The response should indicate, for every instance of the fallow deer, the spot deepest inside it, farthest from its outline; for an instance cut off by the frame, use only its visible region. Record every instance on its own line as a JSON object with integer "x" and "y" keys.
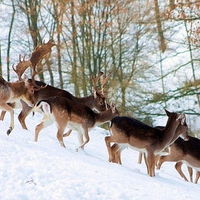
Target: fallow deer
{"x": 181, "y": 130}
{"x": 96, "y": 101}
{"x": 67, "y": 113}
{"x": 184, "y": 152}
{"x": 127, "y": 131}
{"x": 11, "y": 92}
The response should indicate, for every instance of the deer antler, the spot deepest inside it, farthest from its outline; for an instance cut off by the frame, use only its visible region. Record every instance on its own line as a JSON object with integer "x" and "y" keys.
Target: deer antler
{"x": 95, "y": 82}
{"x": 21, "y": 66}
{"x": 104, "y": 80}
{"x": 39, "y": 53}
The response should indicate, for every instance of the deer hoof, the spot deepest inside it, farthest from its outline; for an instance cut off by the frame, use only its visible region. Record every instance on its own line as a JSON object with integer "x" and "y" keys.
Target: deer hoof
{"x": 9, "y": 130}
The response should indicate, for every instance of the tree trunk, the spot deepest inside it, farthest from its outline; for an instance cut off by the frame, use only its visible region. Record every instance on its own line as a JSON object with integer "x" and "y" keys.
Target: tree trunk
{"x": 9, "y": 41}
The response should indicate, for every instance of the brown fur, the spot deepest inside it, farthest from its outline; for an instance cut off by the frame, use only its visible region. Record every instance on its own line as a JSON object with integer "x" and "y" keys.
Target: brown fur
{"x": 11, "y": 92}
{"x": 131, "y": 132}
{"x": 117, "y": 150}
{"x": 184, "y": 152}
{"x": 67, "y": 113}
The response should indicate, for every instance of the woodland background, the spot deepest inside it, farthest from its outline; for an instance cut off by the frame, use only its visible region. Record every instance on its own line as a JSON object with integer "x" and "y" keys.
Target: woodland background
{"x": 150, "y": 47}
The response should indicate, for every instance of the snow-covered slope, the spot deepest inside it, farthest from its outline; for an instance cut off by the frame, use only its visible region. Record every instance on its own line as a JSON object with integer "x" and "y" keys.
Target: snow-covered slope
{"x": 47, "y": 171}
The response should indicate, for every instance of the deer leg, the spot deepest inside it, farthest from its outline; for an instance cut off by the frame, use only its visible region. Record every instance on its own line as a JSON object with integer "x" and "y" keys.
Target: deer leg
{"x": 68, "y": 133}
{"x": 151, "y": 164}
{"x": 23, "y": 114}
{"x": 3, "y": 112}
{"x": 110, "y": 154}
{"x": 45, "y": 123}
{"x": 60, "y": 136}
{"x": 197, "y": 176}
{"x": 178, "y": 168}
{"x": 116, "y": 151}
{"x": 80, "y": 138}
{"x": 118, "y": 156}
{"x": 140, "y": 157}
{"x": 8, "y": 108}
{"x": 190, "y": 171}
{"x": 87, "y": 139}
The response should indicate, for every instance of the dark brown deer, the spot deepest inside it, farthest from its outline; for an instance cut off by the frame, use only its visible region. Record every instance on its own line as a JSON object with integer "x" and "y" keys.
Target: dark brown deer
{"x": 184, "y": 152}
{"x": 67, "y": 113}
{"x": 96, "y": 101}
{"x": 137, "y": 135}
{"x": 11, "y": 92}
{"x": 182, "y": 130}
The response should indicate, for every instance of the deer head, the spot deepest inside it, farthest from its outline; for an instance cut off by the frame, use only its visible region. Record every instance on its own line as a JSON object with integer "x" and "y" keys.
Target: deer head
{"x": 96, "y": 91}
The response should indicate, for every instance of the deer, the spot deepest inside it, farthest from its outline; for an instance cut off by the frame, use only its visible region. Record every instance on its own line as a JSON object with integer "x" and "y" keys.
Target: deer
{"x": 181, "y": 131}
{"x": 67, "y": 113}
{"x": 11, "y": 92}
{"x": 184, "y": 152}
{"x": 96, "y": 101}
{"x": 130, "y": 132}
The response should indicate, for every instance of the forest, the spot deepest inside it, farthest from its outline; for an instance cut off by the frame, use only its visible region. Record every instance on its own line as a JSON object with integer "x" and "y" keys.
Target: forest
{"x": 150, "y": 48}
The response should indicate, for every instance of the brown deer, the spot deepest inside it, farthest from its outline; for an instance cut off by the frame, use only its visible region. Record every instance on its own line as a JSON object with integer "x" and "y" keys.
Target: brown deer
{"x": 181, "y": 130}
{"x": 67, "y": 113}
{"x": 184, "y": 152}
{"x": 133, "y": 133}
{"x": 96, "y": 101}
{"x": 11, "y": 92}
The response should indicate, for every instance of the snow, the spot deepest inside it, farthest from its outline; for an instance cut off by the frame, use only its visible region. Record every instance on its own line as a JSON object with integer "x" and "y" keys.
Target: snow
{"x": 44, "y": 170}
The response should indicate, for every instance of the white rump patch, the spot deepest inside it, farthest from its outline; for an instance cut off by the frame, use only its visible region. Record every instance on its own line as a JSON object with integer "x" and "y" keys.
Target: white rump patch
{"x": 45, "y": 107}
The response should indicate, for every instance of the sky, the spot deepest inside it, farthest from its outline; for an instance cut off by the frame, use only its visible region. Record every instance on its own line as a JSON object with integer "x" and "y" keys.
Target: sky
{"x": 44, "y": 170}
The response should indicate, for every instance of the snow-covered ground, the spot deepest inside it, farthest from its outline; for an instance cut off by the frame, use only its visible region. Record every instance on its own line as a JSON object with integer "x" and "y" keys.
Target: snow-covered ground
{"x": 47, "y": 171}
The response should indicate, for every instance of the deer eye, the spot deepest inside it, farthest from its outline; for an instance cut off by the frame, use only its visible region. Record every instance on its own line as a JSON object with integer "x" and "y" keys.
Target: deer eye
{"x": 32, "y": 91}
{"x": 101, "y": 102}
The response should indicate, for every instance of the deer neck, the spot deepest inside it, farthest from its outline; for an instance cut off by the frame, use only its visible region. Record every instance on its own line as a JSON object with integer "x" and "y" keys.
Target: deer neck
{"x": 103, "y": 117}
{"x": 170, "y": 131}
{"x": 17, "y": 88}
{"x": 87, "y": 101}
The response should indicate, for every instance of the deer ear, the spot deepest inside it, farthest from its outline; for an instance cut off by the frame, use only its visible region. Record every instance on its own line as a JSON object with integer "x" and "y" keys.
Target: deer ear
{"x": 26, "y": 80}
{"x": 167, "y": 112}
{"x": 183, "y": 121}
{"x": 113, "y": 106}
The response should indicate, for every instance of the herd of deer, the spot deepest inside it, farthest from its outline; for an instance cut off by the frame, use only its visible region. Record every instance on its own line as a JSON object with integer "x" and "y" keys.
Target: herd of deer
{"x": 82, "y": 114}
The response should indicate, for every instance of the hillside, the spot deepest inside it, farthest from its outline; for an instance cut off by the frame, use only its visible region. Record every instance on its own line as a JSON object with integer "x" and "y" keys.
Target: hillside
{"x": 45, "y": 170}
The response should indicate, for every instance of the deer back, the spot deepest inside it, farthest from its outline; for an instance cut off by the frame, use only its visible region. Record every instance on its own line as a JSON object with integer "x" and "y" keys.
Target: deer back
{"x": 132, "y": 127}
{"x": 190, "y": 147}
{"x": 63, "y": 109}
{"x": 98, "y": 102}
{"x": 139, "y": 134}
